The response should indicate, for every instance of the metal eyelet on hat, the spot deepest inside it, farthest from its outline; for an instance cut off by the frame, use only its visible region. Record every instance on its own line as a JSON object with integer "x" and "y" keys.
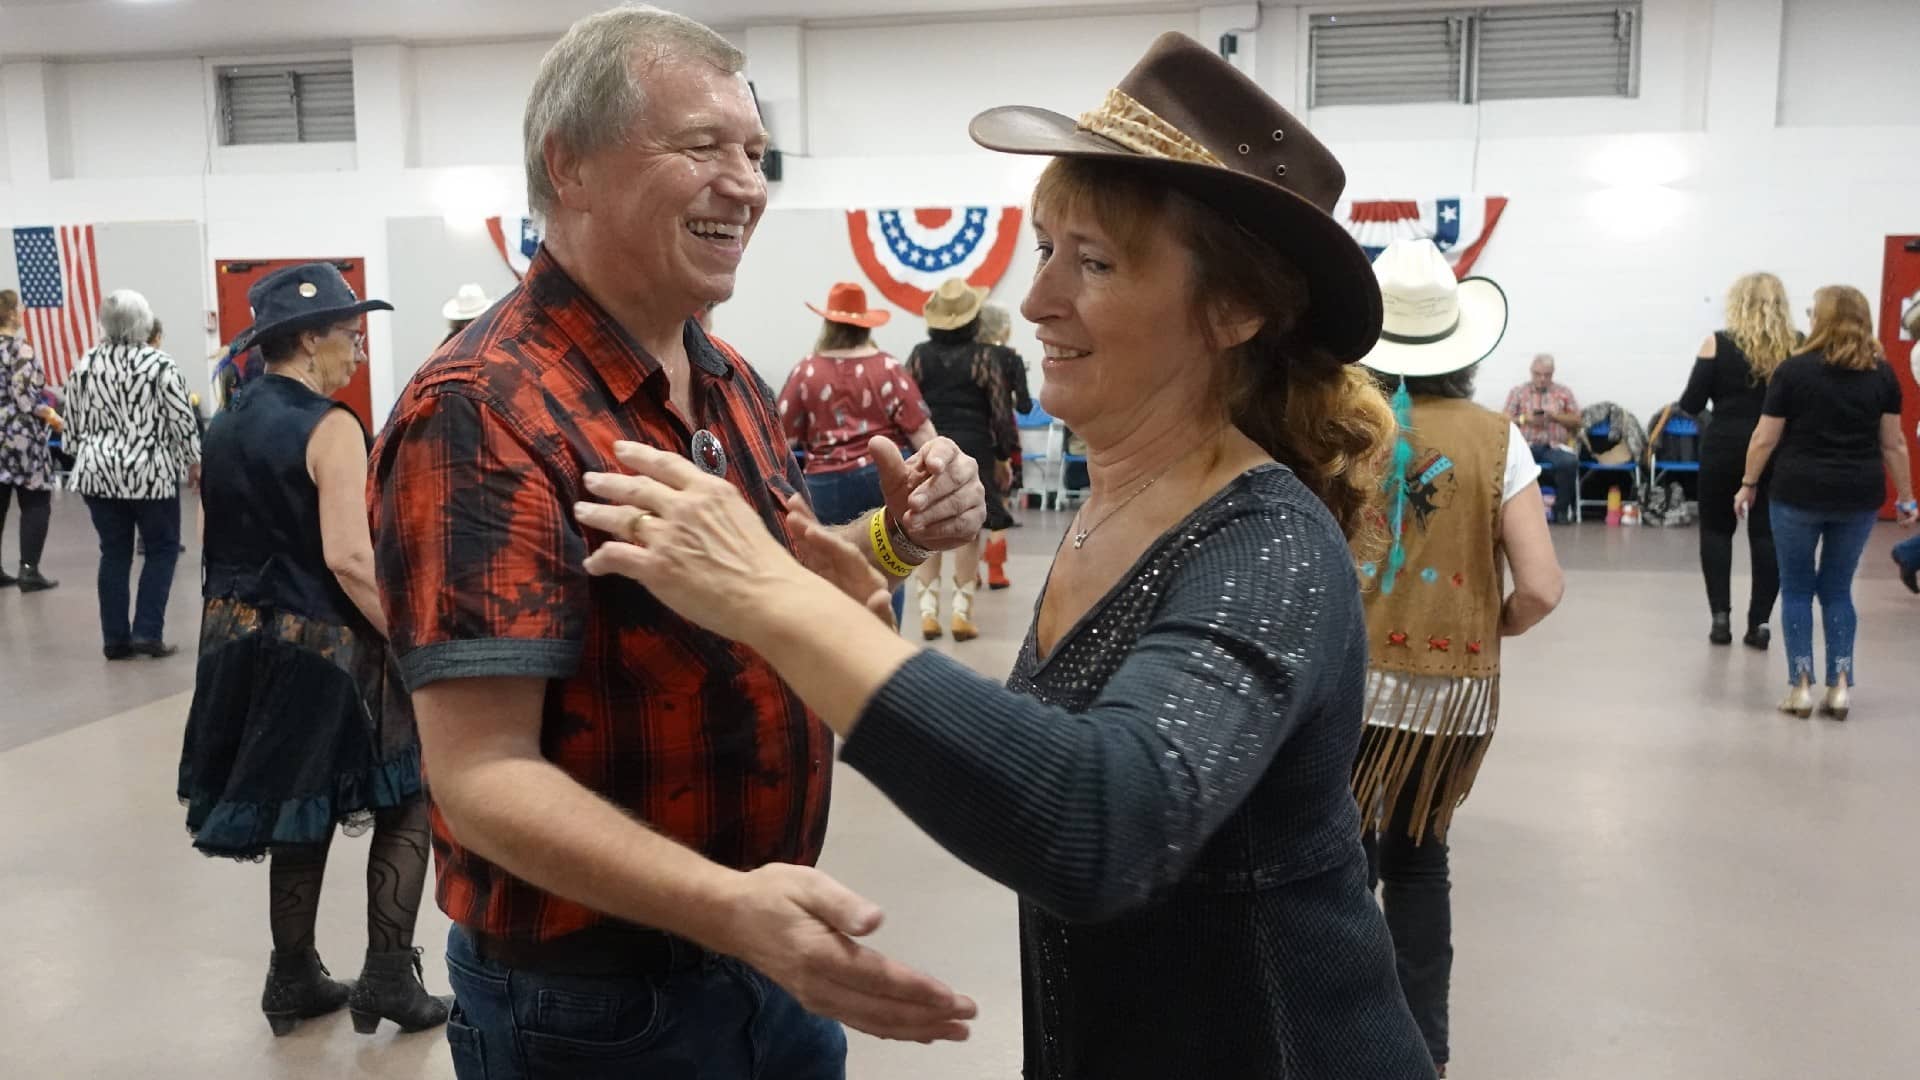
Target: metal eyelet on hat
{"x": 1278, "y": 134}
{"x": 1245, "y": 149}
{"x": 1279, "y": 170}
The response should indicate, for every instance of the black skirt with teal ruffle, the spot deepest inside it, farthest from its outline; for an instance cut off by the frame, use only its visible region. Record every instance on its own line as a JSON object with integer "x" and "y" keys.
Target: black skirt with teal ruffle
{"x": 297, "y": 727}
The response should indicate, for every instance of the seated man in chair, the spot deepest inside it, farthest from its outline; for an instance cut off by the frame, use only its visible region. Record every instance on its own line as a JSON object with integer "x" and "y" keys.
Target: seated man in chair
{"x": 1549, "y": 417}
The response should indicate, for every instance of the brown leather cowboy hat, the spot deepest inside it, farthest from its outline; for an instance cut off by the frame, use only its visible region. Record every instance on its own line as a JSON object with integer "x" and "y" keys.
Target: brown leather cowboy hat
{"x": 1208, "y": 130}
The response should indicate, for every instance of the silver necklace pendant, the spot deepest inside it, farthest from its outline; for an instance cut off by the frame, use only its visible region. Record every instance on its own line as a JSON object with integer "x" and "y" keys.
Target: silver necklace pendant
{"x": 1079, "y": 540}
{"x": 709, "y": 454}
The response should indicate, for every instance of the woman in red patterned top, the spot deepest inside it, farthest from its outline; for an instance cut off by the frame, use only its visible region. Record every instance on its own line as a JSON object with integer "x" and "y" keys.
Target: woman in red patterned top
{"x": 839, "y": 398}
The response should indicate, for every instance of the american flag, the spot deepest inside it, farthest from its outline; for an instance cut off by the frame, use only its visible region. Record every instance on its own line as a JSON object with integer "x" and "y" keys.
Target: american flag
{"x": 60, "y": 290}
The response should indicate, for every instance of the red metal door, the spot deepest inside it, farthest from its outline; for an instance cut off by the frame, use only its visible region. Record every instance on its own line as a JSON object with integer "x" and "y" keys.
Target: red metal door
{"x": 233, "y": 277}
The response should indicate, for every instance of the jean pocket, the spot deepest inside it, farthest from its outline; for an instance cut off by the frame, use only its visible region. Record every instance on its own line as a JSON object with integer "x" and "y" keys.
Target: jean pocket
{"x": 580, "y": 1032}
{"x": 468, "y": 1048}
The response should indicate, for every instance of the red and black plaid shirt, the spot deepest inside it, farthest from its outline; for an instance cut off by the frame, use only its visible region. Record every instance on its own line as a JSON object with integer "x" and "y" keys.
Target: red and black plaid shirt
{"x": 479, "y": 560}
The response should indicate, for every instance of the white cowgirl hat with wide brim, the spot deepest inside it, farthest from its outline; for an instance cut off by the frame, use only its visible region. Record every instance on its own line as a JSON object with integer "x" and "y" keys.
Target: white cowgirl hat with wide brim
{"x": 1433, "y": 323}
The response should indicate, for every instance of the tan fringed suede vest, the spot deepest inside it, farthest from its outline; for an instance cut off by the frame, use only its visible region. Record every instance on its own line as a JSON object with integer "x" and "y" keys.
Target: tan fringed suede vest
{"x": 1439, "y": 620}
{"x": 1442, "y": 615}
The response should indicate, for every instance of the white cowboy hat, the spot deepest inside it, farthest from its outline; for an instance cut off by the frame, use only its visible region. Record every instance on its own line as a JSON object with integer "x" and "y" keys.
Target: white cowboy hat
{"x": 469, "y": 303}
{"x": 1434, "y": 324}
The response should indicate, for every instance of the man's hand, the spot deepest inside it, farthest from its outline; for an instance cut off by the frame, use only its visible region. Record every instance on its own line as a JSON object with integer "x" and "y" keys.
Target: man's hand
{"x": 834, "y": 556}
{"x": 936, "y": 495}
{"x": 796, "y": 925}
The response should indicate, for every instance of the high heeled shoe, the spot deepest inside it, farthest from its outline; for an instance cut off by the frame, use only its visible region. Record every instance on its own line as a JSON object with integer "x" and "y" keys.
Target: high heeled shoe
{"x": 1799, "y": 701}
{"x": 1837, "y": 703}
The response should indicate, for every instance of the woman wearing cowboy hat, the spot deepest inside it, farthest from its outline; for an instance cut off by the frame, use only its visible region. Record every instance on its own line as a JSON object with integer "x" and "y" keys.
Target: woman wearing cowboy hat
{"x": 468, "y": 303}
{"x": 1165, "y": 778}
{"x": 841, "y": 396}
{"x": 1462, "y": 500}
{"x": 964, "y": 381}
{"x": 299, "y": 723}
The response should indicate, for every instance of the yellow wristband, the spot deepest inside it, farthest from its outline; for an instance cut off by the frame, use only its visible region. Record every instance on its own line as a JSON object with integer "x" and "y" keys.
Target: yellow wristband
{"x": 888, "y": 558}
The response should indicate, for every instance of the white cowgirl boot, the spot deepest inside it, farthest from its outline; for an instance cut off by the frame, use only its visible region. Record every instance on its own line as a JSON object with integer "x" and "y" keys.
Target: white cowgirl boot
{"x": 963, "y": 628}
{"x": 929, "y": 592}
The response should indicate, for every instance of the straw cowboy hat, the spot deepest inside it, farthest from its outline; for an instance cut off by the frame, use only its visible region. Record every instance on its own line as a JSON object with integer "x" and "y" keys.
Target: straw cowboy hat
{"x": 847, "y": 303}
{"x": 1208, "y": 130}
{"x": 467, "y": 304}
{"x": 300, "y": 298}
{"x": 953, "y": 305}
{"x": 1433, "y": 323}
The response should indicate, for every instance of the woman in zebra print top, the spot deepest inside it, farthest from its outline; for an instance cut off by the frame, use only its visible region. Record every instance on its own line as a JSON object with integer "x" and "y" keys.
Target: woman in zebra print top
{"x": 135, "y": 439}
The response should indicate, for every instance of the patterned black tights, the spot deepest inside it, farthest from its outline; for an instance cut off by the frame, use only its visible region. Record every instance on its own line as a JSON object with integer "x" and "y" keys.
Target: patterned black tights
{"x": 396, "y": 876}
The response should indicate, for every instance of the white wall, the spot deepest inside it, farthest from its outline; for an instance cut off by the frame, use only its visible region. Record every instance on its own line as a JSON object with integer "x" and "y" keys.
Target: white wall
{"x": 132, "y": 118}
{"x": 463, "y": 97}
{"x": 1627, "y": 217}
{"x": 1853, "y": 62}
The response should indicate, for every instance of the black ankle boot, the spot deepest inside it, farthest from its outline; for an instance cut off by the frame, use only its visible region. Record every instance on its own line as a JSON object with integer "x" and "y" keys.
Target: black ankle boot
{"x": 1722, "y": 632}
{"x": 1758, "y": 637}
{"x": 298, "y": 988}
{"x": 7, "y": 579}
{"x": 389, "y": 988}
{"x": 32, "y": 580}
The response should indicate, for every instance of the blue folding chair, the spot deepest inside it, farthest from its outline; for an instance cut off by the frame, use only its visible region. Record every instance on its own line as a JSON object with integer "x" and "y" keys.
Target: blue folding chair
{"x": 1036, "y": 454}
{"x": 1681, "y": 427}
{"x": 1588, "y": 467}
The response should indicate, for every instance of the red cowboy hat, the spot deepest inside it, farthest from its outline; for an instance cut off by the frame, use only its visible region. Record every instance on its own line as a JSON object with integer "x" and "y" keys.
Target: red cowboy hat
{"x": 847, "y": 303}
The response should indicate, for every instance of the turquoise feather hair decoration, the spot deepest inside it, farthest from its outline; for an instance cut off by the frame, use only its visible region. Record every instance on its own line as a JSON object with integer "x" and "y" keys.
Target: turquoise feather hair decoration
{"x": 1395, "y": 485}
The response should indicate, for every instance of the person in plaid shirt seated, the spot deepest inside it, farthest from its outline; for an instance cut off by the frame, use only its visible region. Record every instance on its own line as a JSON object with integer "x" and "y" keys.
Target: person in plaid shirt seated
{"x": 1549, "y": 417}
{"x": 626, "y": 807}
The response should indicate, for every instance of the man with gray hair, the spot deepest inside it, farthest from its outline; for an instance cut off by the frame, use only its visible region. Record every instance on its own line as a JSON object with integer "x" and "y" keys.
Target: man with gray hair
{"x": 1549, "y": 417}
{"x": 626, "y": 807}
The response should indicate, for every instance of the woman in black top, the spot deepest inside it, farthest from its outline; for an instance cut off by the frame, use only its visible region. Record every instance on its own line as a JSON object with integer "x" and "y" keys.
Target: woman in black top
{"x": 1833, "y": 414}
{"x": 299, "y": 723}
{"x": 1164, "y": 779}
{"x": 964, "y": 382}
{"x": 1731, "y": 371}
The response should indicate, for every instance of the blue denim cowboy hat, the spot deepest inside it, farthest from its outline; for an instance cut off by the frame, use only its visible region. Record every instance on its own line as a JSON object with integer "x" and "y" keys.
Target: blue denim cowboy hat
{"x": 301, "y": 298}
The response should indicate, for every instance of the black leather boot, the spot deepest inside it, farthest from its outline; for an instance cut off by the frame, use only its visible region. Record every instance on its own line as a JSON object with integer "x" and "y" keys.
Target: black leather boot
{"x": 1722, "y": 632}
{"x": 32, "y": 580}
{"x": 7, "y": 579}
{"x": 298, "y": 988}
{"x": 389, "y": 988}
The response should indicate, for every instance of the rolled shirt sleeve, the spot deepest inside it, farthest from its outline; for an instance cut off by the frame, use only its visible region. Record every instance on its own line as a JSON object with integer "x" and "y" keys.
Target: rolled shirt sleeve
{"x": 480, "y": 564}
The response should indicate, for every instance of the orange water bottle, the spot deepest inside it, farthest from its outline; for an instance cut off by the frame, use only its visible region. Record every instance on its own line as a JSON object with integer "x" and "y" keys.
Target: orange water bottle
{"x": 1613, "y": 505}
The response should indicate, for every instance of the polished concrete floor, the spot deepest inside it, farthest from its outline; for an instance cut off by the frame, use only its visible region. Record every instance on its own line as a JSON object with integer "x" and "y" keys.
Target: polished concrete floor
{"x": 1658, "y": 877}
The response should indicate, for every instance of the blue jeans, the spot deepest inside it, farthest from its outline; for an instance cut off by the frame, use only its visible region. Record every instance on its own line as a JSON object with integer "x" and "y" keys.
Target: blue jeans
{"x": 1565, "y": 469}
{"x": 1819, "y": 551}
{"x": 840, "y": 497}
{"x": 158, "y": 523}
{"x": 720, "y": 1020}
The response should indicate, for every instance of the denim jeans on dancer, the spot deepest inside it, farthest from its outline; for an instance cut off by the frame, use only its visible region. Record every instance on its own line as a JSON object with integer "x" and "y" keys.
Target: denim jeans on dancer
{"x": 1819, "y": 551}
{"x": 116, "y": 521}
{"x": 839, "y": 497}
{"x": 719, "y": 1018}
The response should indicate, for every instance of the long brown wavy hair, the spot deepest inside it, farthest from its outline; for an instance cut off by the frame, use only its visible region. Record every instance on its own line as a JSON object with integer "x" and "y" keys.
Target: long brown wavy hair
{"x": 1325, "y": 420}
{"x": 1760, "y": 322}
{"x": 1843, "y": 329}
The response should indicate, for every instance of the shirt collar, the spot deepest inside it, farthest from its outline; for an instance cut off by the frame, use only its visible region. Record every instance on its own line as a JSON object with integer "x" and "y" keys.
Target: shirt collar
{"x": 620, "y": 361}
